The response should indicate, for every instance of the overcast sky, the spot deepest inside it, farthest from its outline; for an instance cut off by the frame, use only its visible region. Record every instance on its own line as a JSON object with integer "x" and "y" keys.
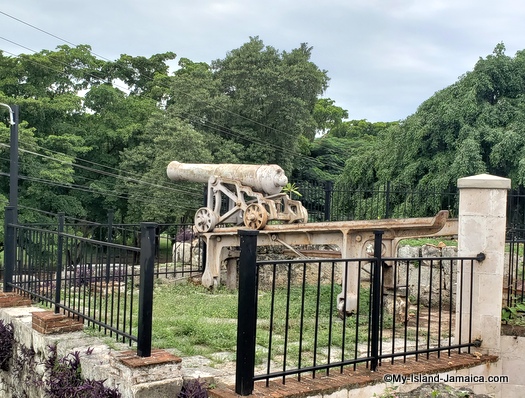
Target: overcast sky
{"x": 384, "y": 57}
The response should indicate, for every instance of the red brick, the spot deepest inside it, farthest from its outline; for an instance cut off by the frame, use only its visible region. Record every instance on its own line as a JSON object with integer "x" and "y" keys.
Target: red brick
{"x": 47, "y": 322}
{"x": 12, "y": 299}
{"x": 358, "y": 378}
{"x": 158, "y": 357}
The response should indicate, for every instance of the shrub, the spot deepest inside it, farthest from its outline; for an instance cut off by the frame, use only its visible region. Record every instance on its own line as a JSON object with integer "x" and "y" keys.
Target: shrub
{"x": 7, "y": 337}
{"x": 64, "y": 378}
{"x": 194, "y": 389}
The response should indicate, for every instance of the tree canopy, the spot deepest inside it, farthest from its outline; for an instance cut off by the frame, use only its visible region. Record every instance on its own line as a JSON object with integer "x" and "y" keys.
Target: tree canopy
{"x": 97, "y": 135}
{"x": 474, "y": 126}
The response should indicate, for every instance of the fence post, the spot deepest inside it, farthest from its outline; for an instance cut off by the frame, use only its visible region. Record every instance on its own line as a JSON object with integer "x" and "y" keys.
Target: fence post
{"x": 247, "y": 312}
{"x": 376, "y": 300}
{"x": 9, "y": 247}
{"x": 13, "y": 162}
{"x": 111, "y": 215}
{"x": 147, "y": 268}
{"x": 204, "y": 257}
{"x": 328, "y": 189}
{"x": 60, "y": 249}
{"x": 387, "y": 200}
{"x": 481, "y": 229}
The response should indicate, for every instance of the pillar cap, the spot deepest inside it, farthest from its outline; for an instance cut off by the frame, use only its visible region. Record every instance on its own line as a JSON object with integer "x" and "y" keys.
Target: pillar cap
{"x": 484, "y": 181}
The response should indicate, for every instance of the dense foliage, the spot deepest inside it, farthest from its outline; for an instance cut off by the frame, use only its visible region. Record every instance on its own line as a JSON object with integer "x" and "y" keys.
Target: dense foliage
{"x": 63, "y": 378}
{"x": 97, "y": 135}
{"x": 474, "y": 126}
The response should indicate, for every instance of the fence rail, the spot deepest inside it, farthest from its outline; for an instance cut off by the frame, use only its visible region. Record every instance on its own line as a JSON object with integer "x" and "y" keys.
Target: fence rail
{"x": 514, "y": 273}
{"x": 406, "y": 307}
{"x": 100, "y": 289}
{"x": 326, "y": 201}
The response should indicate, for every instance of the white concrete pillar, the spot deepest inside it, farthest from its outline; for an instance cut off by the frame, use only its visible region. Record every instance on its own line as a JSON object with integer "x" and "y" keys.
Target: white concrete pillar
{"x": 482, "y": 221}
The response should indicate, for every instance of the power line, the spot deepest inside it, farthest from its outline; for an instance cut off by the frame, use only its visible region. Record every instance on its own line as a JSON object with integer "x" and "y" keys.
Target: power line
{"x": 82, "y": 188}
{"x": 116, "y": 176}
{"x": 147, "y": 77}
{"x": 47, "y": 33}
{"x": 211, "y": 125}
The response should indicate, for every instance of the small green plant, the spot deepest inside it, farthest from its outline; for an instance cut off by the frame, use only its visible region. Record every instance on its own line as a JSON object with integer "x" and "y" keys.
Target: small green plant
{"x": 428, "y": 241}
{"x": 291, "y": 188}
{"x": 514, "y": 314}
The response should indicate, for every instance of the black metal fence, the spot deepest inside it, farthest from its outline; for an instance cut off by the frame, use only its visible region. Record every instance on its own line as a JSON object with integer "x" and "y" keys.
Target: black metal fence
{"x": 100, "y": 274}
{"x": 179, "y": 252}
{"x": 326, "y": 201}
{"x": 514, "y": 271}
{"x": 296, "y": 311}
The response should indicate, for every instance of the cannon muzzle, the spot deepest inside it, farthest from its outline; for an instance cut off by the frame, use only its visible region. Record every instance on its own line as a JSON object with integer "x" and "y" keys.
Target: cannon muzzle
{"x": 269, "y": 179}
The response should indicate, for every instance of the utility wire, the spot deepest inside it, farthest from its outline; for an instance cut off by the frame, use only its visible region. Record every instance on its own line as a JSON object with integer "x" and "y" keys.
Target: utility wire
{"x": 102, "y": 172}
{"x": 182, "y": 92}
{"x": 47, "y": 33}
{"x": 216, "y": 127}
{"x": 82, "y": 188}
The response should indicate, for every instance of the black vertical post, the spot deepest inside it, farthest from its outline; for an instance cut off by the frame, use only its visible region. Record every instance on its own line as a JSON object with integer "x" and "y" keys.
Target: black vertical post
{"x": 147, "y": 267}
{"x": 247, "y": 313}
{"x": 60, "y": 248}
{"x": 328, "y": 189}
{"x": 376, "y": 299}
{"x": 204, "y": 245}
{"x": 13, "y": 162}
{"x": 9, "y": 247}
{"x": 111, "y": 215}
{"x": 387, "y": 200}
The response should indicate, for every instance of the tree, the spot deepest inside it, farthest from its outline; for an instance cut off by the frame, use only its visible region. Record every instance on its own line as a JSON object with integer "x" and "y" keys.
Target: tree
{"x": 328, "y": 117}
{"x": 151, "y": 196}
{"x": 271, "y": 96}
{"x": 474, "y": 126}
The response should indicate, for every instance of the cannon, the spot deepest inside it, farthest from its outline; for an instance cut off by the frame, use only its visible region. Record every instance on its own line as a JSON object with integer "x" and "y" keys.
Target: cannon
{"x": 240, "y": 193}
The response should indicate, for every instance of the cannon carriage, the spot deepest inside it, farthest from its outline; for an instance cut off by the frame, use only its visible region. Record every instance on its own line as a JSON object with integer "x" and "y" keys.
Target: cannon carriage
{"x": 240, "y": 194}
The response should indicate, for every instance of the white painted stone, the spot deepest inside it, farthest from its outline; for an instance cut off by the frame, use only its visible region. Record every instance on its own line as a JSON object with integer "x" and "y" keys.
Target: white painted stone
{"x": 481, "y": 229}
{"x": 484, "y": 181}
{"x": 337, "y": 394}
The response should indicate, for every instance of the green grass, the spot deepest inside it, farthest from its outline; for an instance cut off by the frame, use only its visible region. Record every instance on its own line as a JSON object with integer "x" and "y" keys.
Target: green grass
{"x": 428, "y": 241}
{"x": 195, "y": 321}
{"x": 192, "y": 320}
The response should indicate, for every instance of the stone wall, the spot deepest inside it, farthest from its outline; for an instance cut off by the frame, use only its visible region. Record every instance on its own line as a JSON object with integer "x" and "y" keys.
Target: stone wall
{"x": 426, "y": 276}
{"x": 157, "y": 376}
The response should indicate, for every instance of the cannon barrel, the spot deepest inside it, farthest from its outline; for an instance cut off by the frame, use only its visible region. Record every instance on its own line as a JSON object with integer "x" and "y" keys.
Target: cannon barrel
{"x": 268, "y": 178}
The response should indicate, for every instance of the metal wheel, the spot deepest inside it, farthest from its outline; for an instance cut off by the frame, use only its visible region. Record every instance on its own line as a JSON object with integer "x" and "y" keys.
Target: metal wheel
{"x": 255, "y": 216}
{"x": 205, "y": 219}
